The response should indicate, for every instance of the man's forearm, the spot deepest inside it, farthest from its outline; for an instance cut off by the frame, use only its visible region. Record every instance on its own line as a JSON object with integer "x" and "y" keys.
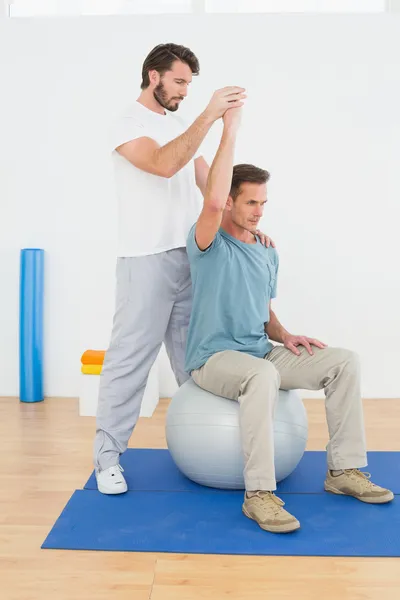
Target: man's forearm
{"x": 220, "y": 175}
{"x": 201, "y": 172}
{"x": 178, "y": 152}
{"x": 275, "y": 331}
{"x": 202, "y": 184}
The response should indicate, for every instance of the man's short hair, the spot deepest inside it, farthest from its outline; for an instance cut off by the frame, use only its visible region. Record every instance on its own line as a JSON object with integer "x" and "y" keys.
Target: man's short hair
{"x": 246, "y": 174}
{"x": 162, "y": 57}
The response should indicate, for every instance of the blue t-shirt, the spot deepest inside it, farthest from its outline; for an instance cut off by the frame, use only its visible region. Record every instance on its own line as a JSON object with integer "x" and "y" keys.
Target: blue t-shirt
{"x": 233, "y": 283}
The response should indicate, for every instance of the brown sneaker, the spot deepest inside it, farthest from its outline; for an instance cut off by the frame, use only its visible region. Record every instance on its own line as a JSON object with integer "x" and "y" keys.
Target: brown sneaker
{"x": 353, "y": 482}
{"x": 267, "y": 510}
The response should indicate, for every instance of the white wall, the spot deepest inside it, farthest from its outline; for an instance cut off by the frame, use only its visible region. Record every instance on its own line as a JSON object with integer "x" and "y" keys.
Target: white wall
{"x": 322, "y": 116}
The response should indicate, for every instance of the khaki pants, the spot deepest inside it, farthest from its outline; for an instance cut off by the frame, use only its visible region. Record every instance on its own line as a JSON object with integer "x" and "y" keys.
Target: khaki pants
{"x": 255, "y": 382}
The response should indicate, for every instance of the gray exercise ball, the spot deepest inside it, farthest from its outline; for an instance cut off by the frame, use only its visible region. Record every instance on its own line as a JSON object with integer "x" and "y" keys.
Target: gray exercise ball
{"x": 202, "y": 432}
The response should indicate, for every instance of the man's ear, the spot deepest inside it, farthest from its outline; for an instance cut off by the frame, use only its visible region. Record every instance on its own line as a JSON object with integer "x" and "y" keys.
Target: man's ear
{"x": 229, "y": 203}
{"x": 154, "y": 77}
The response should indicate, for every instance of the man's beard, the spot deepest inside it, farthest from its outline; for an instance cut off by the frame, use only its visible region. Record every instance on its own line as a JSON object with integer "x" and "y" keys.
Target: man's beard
{"x": 162, "y": 98}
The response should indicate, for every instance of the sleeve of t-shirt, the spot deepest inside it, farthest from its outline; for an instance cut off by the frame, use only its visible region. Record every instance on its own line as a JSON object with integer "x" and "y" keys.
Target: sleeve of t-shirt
{"x": 276, "y": 266}
{"x": 126, "y": 129}
{"x": 192, "y": 248}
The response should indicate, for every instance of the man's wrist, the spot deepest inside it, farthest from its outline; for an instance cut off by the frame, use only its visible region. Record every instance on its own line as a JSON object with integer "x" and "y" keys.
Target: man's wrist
{"x": 207, "y": 118}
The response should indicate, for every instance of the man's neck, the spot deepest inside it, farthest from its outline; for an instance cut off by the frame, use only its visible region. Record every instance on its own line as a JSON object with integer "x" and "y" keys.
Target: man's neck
{"x": 238, "y": 232}
{"x": 147, "y": 99}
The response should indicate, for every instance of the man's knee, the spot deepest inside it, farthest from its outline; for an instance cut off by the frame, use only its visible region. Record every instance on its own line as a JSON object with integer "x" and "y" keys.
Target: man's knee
{"x": 348, "y": 360}
{"x": 266, "y": 374}
{"x": 349, "y": 357}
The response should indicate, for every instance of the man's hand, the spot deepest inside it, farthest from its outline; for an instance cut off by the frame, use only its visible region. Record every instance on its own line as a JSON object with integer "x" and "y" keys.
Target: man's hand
{"x": 292, "y": 341}
{"x": 228, "y": 97}
{"x": 264, "y": 239}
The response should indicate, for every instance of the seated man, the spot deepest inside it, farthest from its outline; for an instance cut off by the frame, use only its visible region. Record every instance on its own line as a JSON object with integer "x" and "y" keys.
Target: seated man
{"x": 229, "y": 352}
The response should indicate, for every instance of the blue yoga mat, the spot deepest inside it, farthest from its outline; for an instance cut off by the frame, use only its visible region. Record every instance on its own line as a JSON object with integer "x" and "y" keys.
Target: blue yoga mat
{"x": 31, "y": 325}
{"x": 154, "y": 470}
{"x": 212, "y": 523}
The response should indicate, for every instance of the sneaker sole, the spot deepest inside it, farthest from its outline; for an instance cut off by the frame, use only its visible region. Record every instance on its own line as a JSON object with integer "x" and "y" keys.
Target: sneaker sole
{"x": 287, "y": 528}
{"x": 109, "y": 492}
{"x": 372, "y": 500}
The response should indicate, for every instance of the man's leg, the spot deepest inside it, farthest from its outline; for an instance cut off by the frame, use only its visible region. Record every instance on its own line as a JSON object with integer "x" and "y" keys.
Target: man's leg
{"x": 176, "y": 334}
{"x": 337, "y": 372}
{"x": 143, "y": 305}
{"x": 254, "y": 383}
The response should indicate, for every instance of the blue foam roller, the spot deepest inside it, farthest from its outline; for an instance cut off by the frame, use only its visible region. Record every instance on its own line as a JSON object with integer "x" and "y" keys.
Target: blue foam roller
{"x": 31, "y": 325}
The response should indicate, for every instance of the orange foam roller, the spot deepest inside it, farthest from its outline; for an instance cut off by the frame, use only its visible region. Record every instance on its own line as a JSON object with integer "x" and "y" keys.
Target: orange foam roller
{"x": 93, "y": 357}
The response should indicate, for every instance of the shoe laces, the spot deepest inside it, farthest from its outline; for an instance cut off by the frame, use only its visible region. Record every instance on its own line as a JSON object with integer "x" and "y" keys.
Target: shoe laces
{"x": 116, "y": 470}
{"x": 362, "y": 477}
{"x": 271, "y": 503}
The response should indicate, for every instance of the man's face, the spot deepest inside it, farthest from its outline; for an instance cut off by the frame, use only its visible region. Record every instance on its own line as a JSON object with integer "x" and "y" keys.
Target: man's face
{"x": 172, "y": 87}
{"x": 248, "y": 208}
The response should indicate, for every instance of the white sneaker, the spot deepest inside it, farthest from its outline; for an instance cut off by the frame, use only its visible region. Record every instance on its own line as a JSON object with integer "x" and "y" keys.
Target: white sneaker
{"x": 111, "y": 480}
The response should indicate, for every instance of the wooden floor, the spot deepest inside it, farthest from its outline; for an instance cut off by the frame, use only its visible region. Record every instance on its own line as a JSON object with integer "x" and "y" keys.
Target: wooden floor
{"x": 46, "y": 455}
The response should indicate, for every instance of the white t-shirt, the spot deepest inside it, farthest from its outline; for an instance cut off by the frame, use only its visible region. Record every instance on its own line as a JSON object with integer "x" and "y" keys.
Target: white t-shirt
{"x": 155, "y": 214}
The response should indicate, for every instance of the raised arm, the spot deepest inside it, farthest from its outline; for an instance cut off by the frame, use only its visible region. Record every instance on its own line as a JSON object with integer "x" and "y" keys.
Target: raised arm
{"x": 165, "y": 161}
{"x": 218, "y": 182}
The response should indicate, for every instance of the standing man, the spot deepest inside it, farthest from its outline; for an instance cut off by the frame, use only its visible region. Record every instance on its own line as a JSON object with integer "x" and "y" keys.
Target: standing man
{"x": 157, "y": 167}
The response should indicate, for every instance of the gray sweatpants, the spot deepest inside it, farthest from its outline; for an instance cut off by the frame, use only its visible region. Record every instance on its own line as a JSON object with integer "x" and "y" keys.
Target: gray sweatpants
{"x": 153, "y": 305}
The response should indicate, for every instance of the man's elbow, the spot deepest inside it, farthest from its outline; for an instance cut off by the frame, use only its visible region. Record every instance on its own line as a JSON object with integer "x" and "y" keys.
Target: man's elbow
{"x": 168, "y": 172}
{"x": 161, "y": 167}
{"x": 154, "y": 168}
{"x": 214, "y": 204}
{"x": 162, "y": 171}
